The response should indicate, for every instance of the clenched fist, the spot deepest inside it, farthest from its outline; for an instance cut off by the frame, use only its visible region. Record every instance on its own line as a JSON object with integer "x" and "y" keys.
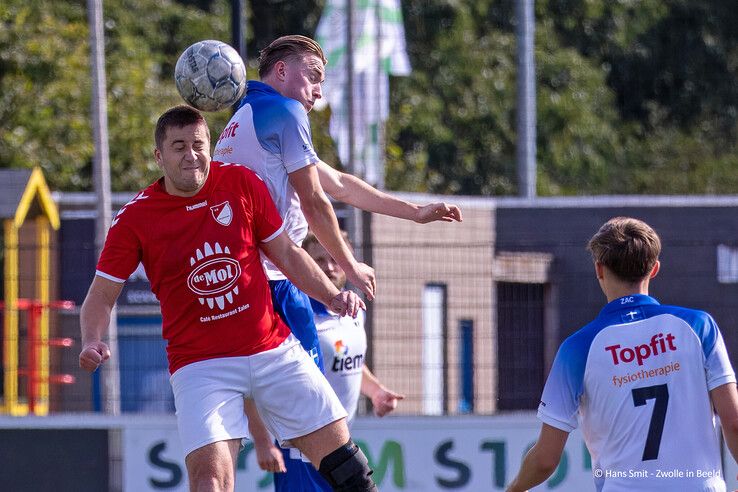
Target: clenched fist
{"x": 93, "y": 355}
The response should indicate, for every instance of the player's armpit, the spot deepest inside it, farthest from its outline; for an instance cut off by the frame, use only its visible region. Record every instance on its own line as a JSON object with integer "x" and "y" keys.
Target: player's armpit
{"x": 330, "y": 180}
{"x": 306, "y": 182}
{"x": 322, "y": 220}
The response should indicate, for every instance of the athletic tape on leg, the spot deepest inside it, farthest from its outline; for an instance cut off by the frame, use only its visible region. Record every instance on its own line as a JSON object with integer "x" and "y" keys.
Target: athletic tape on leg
{"x": 346, "y": 464}
{"x": 357, "y": 463}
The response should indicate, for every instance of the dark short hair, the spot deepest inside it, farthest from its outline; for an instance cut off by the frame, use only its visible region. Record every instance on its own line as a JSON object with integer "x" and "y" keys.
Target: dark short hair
{"x": 287, "y": 48}
{"x": 178, "y": 116}
{"x": 628, "y": 247}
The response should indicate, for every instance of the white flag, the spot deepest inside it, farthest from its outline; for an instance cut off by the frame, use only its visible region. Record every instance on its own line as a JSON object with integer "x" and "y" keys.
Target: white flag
{"x": 379, "y": 51}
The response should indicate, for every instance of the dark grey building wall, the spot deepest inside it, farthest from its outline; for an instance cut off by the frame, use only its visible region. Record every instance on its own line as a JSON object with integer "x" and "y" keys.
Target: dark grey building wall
{"x": 690, "y": 236}
{"x": 59, "y": 460}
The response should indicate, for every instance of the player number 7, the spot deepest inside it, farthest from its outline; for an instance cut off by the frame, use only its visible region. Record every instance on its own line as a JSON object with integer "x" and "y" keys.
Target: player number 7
{"x": 660, "y": 393}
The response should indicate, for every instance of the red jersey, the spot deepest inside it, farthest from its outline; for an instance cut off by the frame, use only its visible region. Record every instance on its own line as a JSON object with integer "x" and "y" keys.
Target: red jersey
{"x": 201, "y": 256}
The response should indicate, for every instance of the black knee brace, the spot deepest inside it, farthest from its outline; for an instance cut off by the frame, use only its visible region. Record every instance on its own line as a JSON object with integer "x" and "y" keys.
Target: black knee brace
{"x": 347, "y": 470}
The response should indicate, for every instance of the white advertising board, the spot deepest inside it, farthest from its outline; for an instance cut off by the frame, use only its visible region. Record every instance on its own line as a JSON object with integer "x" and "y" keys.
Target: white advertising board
{"x": 407, "y": 454}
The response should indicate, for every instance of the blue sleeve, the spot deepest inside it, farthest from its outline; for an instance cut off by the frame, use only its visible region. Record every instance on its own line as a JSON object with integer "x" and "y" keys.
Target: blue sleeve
{"x": 718, "y": 369}
{"x": 560, "y": 401}
{"x": 283, "y": 128}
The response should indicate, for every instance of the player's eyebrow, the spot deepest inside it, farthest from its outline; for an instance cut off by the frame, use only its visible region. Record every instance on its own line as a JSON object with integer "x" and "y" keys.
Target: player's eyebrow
{"x": 184, "y": 140}
{"x": 317, "y": 70}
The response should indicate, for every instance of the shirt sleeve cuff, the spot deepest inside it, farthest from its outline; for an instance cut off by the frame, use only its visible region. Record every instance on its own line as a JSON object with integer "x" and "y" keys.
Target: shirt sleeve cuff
{"x": 554, "y": 422}
{"x": 719, "y": 381}
{"x": 274, "y": 234}
{"x": 296, "y": 166}
{"x": 109, "y": 277}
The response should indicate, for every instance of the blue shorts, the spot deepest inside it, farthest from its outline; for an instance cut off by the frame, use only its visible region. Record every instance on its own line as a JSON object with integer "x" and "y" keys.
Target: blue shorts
{"x": 300, "y": 477}
{"x": 293, "y": 306}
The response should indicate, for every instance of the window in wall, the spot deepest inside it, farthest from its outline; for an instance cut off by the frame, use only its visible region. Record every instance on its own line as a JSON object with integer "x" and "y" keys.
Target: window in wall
{"x": 466, "y": 347}
{"x": 520, "y": 345}
{"x": 727, "y": 264}
{"x": 434, "y": 347}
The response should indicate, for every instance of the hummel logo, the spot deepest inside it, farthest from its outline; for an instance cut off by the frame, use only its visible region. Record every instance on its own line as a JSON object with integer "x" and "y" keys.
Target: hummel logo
{"x": 190, "y": 208}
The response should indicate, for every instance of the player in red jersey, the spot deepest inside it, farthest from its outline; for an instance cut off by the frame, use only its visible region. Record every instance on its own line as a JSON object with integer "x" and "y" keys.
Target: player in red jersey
{"x": 198, "y": 231}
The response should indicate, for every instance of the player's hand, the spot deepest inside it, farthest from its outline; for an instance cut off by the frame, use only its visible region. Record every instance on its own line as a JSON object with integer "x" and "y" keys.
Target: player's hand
{"x": 443, "y": 212}
{"x": 93, "y": 355}
{"x": 384, "y": 401}
{"x": 346, "y": 303}
{"x": 362, "y": 276}
{"x": 269, "y": 457}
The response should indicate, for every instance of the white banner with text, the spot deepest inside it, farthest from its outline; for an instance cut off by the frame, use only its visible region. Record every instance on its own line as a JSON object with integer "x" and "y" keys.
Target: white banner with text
{"x": 406, "y": 453}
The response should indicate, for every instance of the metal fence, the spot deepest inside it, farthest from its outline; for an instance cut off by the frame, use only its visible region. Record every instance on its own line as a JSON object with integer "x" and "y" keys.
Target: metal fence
{"x": 467, "y": 319}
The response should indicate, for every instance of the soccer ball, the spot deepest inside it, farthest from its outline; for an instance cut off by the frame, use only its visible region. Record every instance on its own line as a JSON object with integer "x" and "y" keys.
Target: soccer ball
{"x": 210, "y": 75}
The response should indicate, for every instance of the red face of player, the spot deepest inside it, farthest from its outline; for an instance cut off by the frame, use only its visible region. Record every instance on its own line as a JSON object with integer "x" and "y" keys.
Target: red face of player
{"x": 184, "y": 158}
{"x": 302, "y": 79}
{"x": 326, "y": 263}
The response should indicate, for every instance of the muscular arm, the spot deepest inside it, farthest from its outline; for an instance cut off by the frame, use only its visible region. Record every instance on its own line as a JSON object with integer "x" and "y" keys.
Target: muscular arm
{"x": 322, "y": 220}
{"x": 297, "y": 265}
{"x": 383, "y": 399}
{"x": 94, "y": 318}
{"x": 542, "y": 459}
{"x": 352, "y": 190}
{"x": 725, "y": 400}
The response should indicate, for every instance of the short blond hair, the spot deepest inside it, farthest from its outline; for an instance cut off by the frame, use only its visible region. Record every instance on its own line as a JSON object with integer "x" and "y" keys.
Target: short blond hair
{"x": 288, "y": 48}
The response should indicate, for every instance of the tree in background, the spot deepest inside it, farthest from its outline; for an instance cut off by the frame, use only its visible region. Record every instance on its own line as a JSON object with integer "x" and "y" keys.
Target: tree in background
{"x": 45, "y": 85}
{"x": 633, "y": 97}
{"x": 453, "y": 130}
{"x": 672, "y": 67}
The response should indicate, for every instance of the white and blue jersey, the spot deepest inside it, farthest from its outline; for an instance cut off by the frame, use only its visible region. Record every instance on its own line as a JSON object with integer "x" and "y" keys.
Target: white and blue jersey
{"x": 270, "y": 134}
{"x": 343, "y": 346}
{"x": 637, "y": 380}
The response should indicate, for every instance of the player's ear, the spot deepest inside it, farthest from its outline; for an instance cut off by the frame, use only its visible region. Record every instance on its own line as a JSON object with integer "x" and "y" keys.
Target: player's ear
{"x": 157, "y": 156}
{"x": 280, "y": 68}
{"x": 655, "y": 269}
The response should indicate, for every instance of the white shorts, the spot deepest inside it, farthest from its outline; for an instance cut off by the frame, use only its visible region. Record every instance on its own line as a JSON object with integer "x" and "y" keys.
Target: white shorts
{"x": 292, "y": 396}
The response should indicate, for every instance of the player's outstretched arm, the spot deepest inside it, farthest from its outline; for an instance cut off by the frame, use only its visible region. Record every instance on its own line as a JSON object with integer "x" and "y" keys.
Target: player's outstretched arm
{"x": 322, "y": 221}
{"x": 268, "y": 455}
{"x": 383, "y": 400}
{"x": 725, "y": 400}
{"x": 542, "y": 459}
{"x": 307, "y": 276}
{"x": 94, "y": 318}
{"x": 354, "y": 191}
